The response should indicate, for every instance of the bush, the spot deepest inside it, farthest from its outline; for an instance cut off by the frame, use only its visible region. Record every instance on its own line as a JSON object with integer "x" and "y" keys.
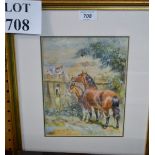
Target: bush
{"x": 117, "y": 85}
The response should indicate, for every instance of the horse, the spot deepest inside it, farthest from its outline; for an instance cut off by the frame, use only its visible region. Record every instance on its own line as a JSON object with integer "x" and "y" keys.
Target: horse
{"x": 79, "y": 91}
{"x": 85, "y": 104}
{"x": 100, "y": 100}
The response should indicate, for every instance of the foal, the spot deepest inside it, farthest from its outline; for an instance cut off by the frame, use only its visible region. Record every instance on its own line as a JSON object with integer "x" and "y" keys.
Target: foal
{"x": 78, "y": 91}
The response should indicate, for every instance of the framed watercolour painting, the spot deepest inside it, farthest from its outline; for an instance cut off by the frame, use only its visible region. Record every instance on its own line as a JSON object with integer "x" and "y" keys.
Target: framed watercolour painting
{"x": 84, "y": 85}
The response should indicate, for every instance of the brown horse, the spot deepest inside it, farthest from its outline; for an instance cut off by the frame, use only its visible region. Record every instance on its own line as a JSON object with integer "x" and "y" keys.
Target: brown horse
{"x": 100, "y": 100}
{"x": 79, "y": 91}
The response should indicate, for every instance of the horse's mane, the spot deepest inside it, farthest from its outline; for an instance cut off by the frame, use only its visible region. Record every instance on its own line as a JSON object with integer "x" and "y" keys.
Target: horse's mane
{"x": 90, "y": 81}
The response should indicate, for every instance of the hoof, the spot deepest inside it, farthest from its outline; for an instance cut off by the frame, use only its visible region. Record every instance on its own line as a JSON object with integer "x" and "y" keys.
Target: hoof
{"x": 105, "y": 126}
{"x": 86, "y": 121}
{"x": 90, "y": 119}
{"x": 97, "y": 120}
{"x": 117, "y": 126}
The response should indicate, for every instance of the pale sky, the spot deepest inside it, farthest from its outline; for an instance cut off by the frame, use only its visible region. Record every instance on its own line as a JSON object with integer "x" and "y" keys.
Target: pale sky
{"x": 61, "y": 50}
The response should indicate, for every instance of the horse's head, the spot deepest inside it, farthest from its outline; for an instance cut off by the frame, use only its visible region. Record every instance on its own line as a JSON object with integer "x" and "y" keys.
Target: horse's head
{"x": 76, "y": 90}
{"x": 81, "y": 78}
{"x": 71, "y": 87}
{"x": 85, "y": 79}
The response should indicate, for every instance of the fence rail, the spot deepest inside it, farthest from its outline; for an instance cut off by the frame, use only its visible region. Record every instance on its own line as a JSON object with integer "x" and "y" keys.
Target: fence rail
{"x": 60, "y": 81}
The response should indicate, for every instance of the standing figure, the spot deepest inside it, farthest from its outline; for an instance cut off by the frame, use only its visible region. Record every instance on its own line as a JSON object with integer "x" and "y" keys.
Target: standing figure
{"x": 57, "y": 97}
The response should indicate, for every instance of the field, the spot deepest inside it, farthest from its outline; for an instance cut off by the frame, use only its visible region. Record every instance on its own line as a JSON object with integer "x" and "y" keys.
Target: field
{"x": 61, "y": 125}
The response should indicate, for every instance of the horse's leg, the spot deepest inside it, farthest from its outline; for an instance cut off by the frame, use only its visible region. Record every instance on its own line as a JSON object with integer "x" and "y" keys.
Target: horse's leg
{"x": 90, "y": 113}
{"x": 101, "y": 116}
{"x": 107, "y": 118}
{"x": 96, "y": 113}
{"x": 89, "y": 109}
{"x": 83, "y": 114}
{"x": 86, "y": 115}
{"x": 85, "y": 111}
{"x": 116, "y": 115}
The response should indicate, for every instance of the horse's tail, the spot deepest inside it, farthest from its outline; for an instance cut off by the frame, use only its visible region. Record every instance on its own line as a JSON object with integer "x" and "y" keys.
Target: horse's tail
{"x": 115, "y": 101}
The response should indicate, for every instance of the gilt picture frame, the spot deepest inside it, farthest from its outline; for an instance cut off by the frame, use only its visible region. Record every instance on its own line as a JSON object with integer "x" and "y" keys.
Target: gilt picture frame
{"x": 68, "y": 5}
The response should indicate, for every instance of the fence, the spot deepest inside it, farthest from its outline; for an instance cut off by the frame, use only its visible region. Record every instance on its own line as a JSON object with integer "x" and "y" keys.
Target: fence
{"x": 50, "y": 93}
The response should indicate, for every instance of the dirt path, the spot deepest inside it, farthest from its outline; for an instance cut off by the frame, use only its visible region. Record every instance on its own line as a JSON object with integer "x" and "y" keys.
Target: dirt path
{"x": 72, "y": 126}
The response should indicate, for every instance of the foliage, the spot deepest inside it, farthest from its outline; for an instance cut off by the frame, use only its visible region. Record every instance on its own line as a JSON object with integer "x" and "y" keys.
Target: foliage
{"x": 74, "y": 110}
{"x": 117, "y": 85}
{"x": 109, "y": 53}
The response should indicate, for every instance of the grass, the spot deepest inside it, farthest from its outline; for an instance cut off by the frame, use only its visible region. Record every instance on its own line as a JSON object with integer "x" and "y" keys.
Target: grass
{"x": 72, "y": 126}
